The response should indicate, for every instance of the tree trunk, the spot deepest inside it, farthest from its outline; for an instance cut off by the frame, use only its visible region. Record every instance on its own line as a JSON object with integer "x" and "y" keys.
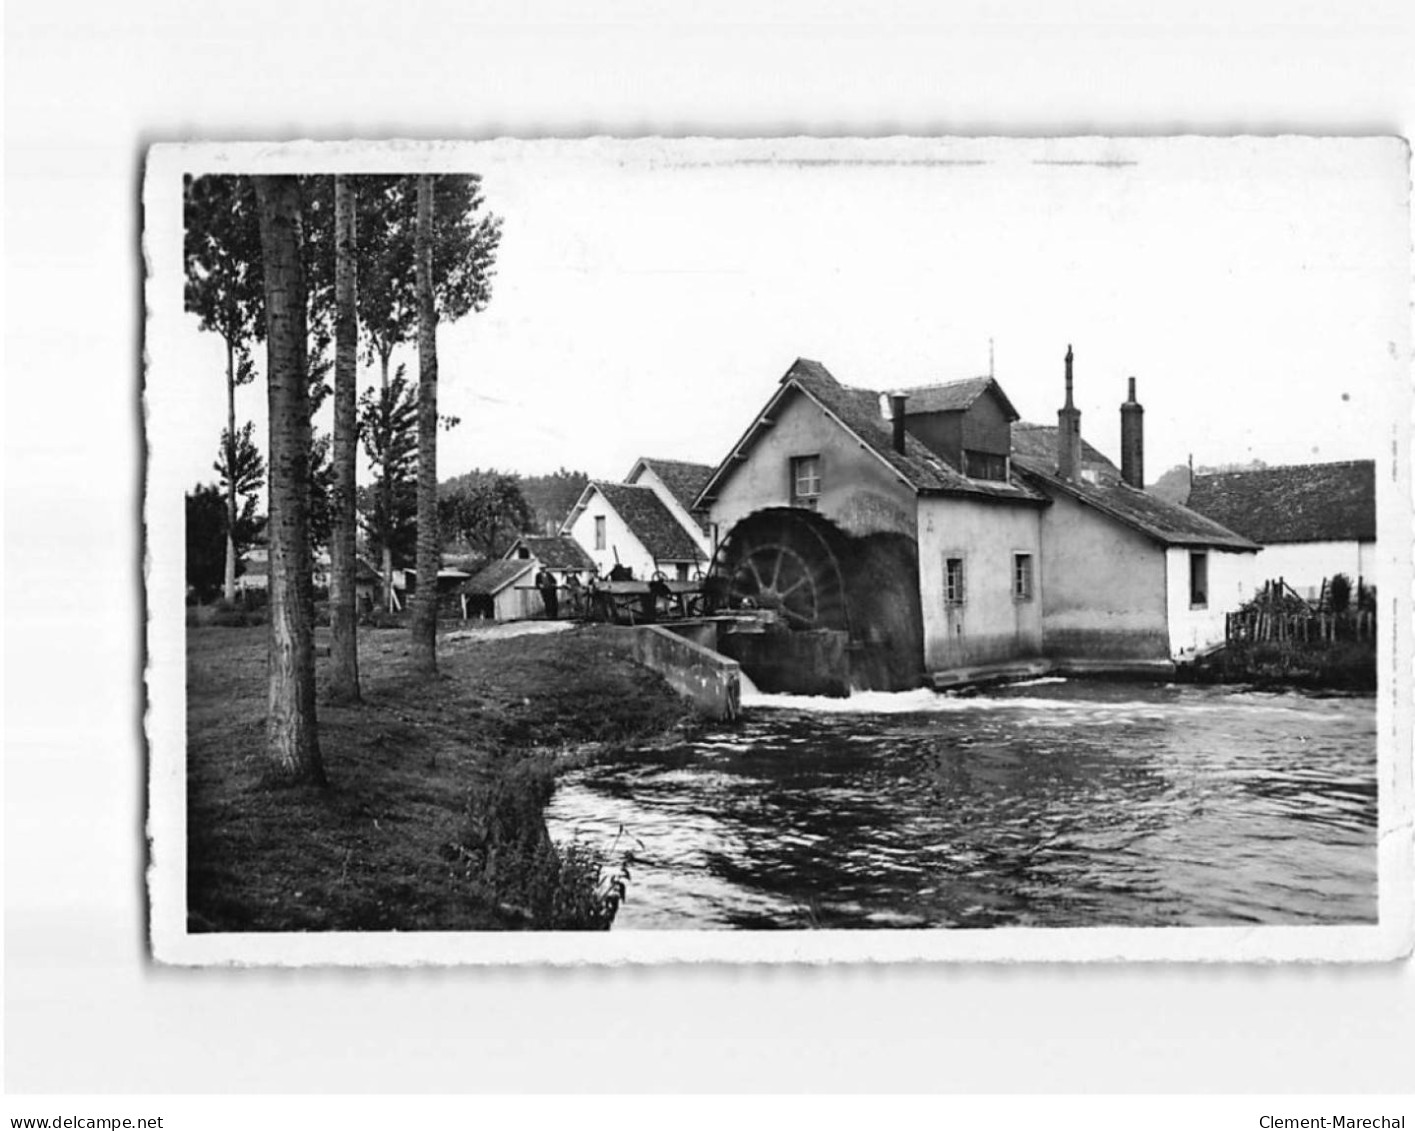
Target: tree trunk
{"x": 343, "y": 613}
{"x": 385, "y": 490}
{"x": 291, "y": 733}
{"x": 424, "y": 618}
{"x": 228, "y": 588}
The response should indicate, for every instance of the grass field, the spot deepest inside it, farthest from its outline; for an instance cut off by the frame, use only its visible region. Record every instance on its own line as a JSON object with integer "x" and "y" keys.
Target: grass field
{"x": 385, "y": 846}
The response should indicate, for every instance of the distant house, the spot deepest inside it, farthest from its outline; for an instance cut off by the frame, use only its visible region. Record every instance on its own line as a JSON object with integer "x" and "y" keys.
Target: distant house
{"x": 630, "y": 525}
{"x": 502, "y": 590}
{"x": 368, "y": 584}
{"x": 678, "y": 484}
{"x": 255, "y": 569}
{"x": 961, "y": 538}
{"x": 1313, "y": 520}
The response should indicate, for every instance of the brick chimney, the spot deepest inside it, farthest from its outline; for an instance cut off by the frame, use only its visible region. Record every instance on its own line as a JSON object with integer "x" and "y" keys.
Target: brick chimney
{"x": 1068, "y": 432}
{"x": 1132, "y": 441}
{"x": 896, "y": 408}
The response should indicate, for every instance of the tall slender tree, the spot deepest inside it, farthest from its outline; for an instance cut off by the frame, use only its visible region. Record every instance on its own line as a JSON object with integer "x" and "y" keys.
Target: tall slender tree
{"x": 424, "y": 619}
{"x": 465, "y": 239}
{"x": 388, "y": 430}
{"x": 291, "y": 729}
{"x": 221, "y": 250}
{"x": 343, "y": 615}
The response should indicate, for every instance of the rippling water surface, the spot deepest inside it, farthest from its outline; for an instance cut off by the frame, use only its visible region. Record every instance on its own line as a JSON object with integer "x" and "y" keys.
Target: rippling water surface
{"x": 1052, "y": 803}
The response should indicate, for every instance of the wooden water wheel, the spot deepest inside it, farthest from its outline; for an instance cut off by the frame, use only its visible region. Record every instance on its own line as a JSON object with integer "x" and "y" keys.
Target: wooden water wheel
{"x": 789, "y": 561}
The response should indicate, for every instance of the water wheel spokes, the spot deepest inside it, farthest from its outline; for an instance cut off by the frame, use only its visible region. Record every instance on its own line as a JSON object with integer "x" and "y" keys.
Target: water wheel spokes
{"x": 785, "y": 560}
{"x": 776, "y": 577}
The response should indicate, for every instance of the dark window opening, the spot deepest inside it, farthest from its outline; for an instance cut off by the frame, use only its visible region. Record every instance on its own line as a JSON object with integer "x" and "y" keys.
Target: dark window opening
{"x": 1198, "y": 580}
{"x": 682, "y": 571}
{"x": 984, "y": 465}
{"x": 599, "y": 538}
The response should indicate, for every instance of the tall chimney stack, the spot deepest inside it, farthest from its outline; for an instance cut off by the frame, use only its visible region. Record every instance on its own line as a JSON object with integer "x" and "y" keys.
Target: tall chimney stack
{"x": 896, "y": 405}
{"x": 1132, "y": 441}
{"x": 1068, "y": 432}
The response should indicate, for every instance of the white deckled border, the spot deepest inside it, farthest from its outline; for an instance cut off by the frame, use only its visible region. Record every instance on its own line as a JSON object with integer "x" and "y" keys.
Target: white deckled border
{"x": 166, "y": 715}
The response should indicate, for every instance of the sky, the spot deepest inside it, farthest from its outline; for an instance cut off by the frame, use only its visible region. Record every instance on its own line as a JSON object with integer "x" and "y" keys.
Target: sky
{"x": 649, "y": 295}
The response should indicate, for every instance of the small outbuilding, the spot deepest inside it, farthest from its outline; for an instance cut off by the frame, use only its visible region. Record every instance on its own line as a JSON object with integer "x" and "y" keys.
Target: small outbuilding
{"x": 502, "y": 590}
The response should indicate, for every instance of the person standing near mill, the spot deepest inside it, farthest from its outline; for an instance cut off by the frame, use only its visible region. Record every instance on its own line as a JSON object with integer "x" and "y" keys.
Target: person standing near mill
{"x": 545, "y": 582}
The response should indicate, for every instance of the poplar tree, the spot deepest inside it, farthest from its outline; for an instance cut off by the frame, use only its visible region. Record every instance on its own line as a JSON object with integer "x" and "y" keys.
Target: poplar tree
{"x": 224, "y": 289}
{"x": 424, "y": 618}
{"x": 292, "y": 739}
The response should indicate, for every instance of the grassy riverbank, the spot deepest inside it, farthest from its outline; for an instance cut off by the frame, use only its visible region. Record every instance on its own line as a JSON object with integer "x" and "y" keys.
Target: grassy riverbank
{"x": 432, "y": 820}
{"x": 1345, "y": 665}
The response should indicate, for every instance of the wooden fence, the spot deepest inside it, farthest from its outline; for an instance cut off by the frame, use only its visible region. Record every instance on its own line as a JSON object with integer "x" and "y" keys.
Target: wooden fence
{"x": 1279, "y": 615}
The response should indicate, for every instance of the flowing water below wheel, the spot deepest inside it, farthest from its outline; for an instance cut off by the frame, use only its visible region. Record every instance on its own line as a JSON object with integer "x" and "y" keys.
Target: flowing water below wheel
{"x": 1055, "y": 803}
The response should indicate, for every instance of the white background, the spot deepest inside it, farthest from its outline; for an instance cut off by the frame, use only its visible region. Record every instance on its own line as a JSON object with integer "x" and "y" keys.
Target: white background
{"x": 89, "y": 86}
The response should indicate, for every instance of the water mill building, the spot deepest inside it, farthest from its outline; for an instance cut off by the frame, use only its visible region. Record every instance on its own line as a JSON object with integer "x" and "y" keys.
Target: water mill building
{"x": 928, "y": 533}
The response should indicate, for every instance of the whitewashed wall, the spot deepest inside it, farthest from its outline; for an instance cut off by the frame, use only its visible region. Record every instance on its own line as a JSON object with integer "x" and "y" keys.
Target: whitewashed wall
{"x": 618, "y": 537}
{"x": 1303, "y": 565}
{"x": 1232, "y": 580}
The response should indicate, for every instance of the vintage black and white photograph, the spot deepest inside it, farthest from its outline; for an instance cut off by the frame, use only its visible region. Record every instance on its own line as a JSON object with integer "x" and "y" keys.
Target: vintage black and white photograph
{"x": 778, "y": 549}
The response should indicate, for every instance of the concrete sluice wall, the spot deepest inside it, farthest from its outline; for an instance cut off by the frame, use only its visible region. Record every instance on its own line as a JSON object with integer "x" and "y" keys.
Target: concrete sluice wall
{"x": 710, "y": 681}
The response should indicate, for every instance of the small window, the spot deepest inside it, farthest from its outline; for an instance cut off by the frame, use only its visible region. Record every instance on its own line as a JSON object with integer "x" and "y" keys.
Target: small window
{"x": 806, "y": 482}
{"x": 682, "y": 571}
{"x": 599, "y": 537}
{"x": 1198, "y": 580}
{"x": 524, "y": 554}
{"x": 984, "y": 465}
{"x": 953, "y": 581}
{"x": 1021, "y": 577}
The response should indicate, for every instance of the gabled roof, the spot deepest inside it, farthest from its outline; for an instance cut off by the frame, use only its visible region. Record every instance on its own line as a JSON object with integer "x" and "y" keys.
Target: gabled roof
{"x": 1308, "y": 502}
{"x": 955, "y": 396}
{"x": 554, "y": 551}
{"x": 1165, "y": 522}
{"x": 648, "y": 519}
{"x": 1037, "y": 444}
{"x": 684, "y": 481}
{"x": 858, "y": 411}
{"x": 497, "y": 576}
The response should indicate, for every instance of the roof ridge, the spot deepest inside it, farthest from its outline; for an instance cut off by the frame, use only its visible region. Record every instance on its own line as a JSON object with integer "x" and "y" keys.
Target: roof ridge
{"x": 1199, "y": 474}
{"x": 946, "y": 384}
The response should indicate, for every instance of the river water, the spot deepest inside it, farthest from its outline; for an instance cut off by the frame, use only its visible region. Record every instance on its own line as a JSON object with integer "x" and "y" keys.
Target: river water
{"x": 1048, "y": 803}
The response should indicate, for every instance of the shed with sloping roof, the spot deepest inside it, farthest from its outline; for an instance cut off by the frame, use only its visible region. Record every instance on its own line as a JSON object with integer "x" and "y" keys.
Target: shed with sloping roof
{"x": 502, "y": 590}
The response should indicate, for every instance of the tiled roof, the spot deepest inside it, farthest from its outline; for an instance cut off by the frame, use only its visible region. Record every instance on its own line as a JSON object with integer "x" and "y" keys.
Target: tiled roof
{"x": 954, "y": 396}
{"x": 497, "y": 576}
{"x": 1309, "y": 502}
{"x": 1037, "y": 444}
{"x": 1163, "y": 521}
{"x": 555, "y": 551}
{"x": 684, "y": 481}
{"x": 859, "y": 411}
{"x": 651, "y": 522}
